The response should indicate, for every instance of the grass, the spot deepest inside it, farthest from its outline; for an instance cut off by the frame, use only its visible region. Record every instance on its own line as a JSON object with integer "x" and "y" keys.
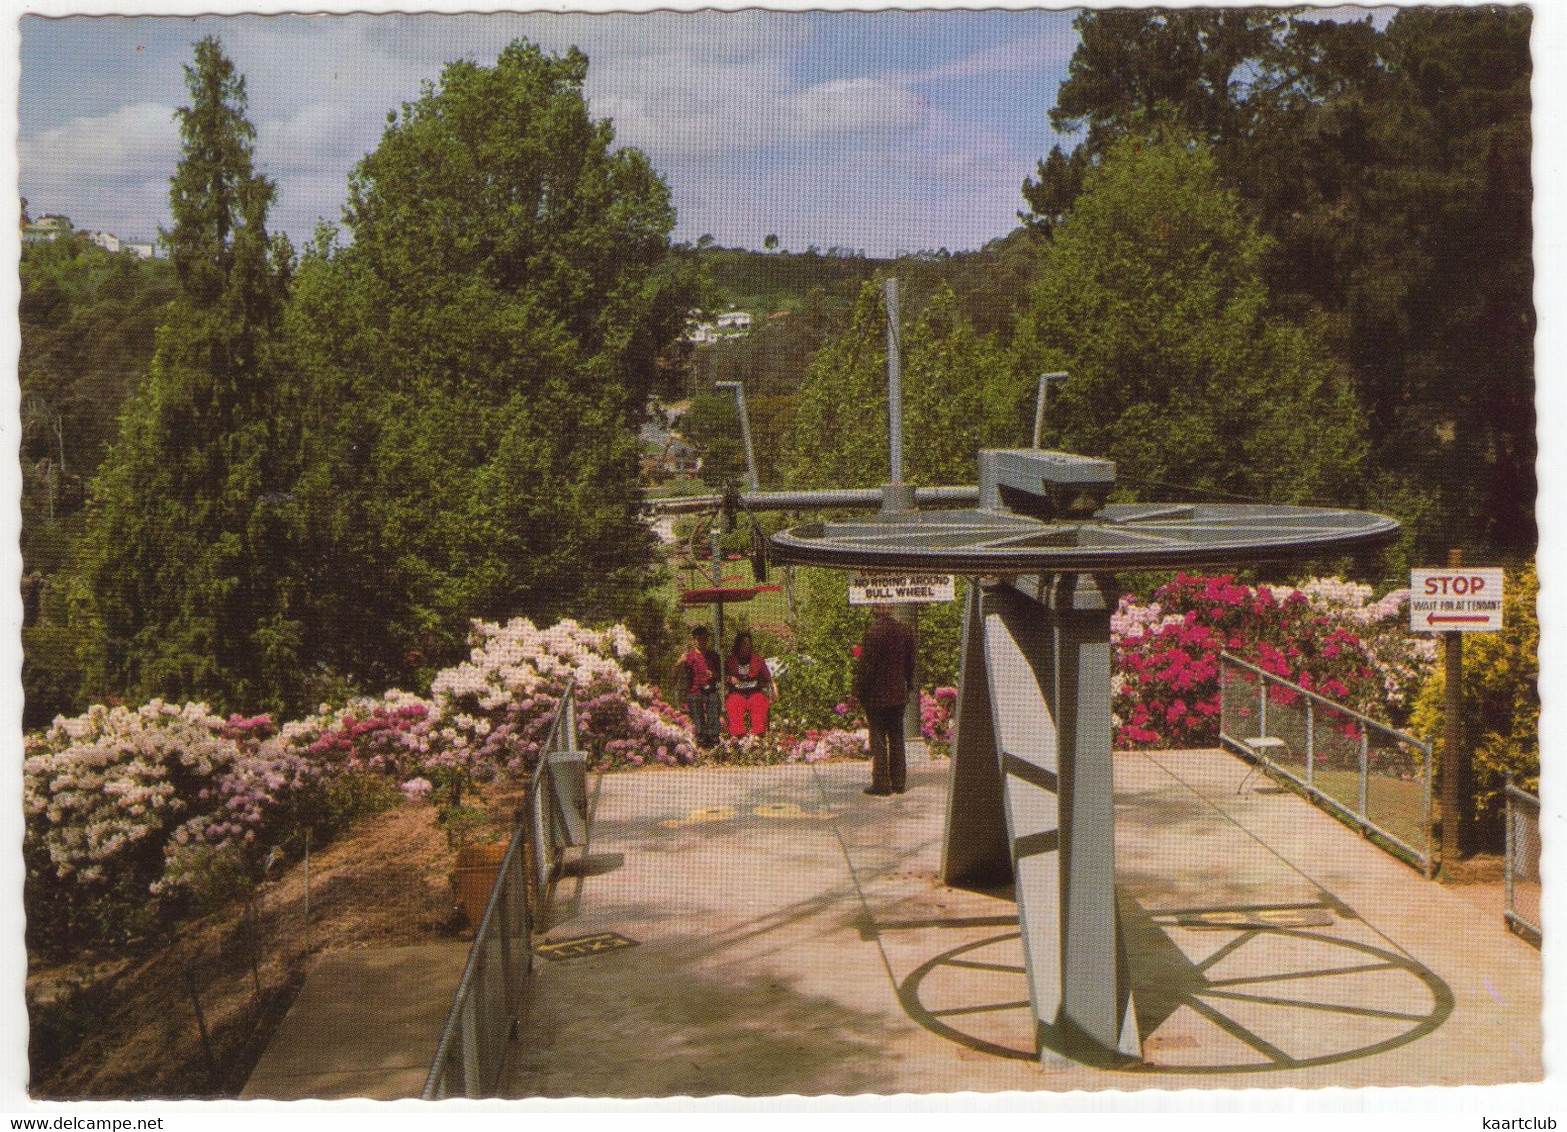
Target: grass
{"x": 1393, "y": 804}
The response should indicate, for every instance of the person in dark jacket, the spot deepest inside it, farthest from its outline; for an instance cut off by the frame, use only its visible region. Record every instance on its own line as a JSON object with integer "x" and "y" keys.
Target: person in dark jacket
{"x": 883, "y": 681}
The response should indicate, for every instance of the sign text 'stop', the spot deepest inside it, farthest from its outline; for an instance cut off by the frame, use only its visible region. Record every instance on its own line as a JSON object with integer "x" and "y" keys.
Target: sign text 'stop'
{"x": 1463, "y": 599}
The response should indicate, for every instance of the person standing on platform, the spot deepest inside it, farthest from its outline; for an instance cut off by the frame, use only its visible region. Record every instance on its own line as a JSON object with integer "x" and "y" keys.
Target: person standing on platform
{"x": 749, "y": 681}
{"x": 883, "y": 682}
{"x": 698, "y": 676}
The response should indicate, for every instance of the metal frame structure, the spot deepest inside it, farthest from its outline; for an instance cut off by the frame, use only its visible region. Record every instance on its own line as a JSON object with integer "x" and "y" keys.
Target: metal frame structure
{"x": 1031, "y": 780}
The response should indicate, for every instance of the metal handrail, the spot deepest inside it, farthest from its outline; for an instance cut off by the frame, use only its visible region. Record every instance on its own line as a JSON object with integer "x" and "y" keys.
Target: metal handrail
{"x": 542, "y": 825}
{"x": 1425, "y": 859}
{"x": 458, "y": 1025}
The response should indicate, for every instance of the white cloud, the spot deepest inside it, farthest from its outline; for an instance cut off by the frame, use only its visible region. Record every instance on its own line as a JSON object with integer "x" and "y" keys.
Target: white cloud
{"x": 852, "y": 107}
{"x": 720, "y": 102}
{"x": 1015, "y": 55}
{"x": 130, "y": 143}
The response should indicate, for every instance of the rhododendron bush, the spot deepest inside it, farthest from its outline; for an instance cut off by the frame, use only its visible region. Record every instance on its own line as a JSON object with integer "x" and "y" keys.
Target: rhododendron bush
{"x": 1327, "y": 636}
{"x": 121, "y": 800}
{"x": 812, "y": 745}
{"x": 493, "y": 711}
{"x": 936, "y": 712}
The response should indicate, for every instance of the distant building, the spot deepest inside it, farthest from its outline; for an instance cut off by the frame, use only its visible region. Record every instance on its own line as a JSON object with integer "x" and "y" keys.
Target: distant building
{"x": 46, "y": 229}
{"x": 730, "y": 324}
{"x": 108, "y": 241}
{"x": 140, "y": 251}
{"x": 677, "y": 459}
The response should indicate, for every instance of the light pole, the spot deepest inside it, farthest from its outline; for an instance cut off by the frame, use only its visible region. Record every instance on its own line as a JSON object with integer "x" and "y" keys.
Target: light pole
{"x": 1040, "y": 399}
{"x": 745, "y": 430}
{"x": 897, "y": 497}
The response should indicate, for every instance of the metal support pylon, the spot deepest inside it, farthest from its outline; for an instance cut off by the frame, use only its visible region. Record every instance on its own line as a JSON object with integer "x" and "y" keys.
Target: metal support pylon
{"x": 1032, "y": 799}
{"x": 1031, "y": 782}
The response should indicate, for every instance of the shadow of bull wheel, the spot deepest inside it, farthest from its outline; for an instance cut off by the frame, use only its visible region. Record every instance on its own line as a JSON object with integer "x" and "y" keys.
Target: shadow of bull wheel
{"x": 1262, "y": 998}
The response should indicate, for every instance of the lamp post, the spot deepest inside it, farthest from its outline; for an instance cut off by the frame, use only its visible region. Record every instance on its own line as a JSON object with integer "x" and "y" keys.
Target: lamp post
{"x": 1040, "y": 399}
{"x": 745, "y": 431}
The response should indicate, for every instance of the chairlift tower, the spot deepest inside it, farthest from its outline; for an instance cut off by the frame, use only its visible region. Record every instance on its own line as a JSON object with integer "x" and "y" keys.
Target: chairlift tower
{"x": 1031, "y": 780}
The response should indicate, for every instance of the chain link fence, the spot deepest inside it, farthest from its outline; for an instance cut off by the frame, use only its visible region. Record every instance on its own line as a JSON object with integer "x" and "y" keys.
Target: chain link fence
{"x": 1522, "y": 869}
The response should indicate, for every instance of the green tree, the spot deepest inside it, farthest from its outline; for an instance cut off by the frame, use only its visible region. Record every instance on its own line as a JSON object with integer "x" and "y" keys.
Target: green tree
{"x": 1151, "y": 296}
{"x": 481, "y": 356}
{"x": 1391, "y": 170}
{"x": 180, "y": 588}
{"x": 712, "y": 426}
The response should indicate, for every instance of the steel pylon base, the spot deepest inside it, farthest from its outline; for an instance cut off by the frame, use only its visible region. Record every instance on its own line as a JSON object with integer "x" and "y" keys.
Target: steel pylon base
{"x": 1031, "y": 800}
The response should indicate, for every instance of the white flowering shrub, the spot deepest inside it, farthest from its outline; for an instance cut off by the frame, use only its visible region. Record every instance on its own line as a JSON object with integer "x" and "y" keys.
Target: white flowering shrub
{"x": 123, "y": 804}
{"x": 493, "y": 712}
{"x": 1402, "y": 659}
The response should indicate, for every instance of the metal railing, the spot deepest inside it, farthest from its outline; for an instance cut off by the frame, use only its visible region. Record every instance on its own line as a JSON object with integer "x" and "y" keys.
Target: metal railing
{"x": 1522, "y": 870}
{"x": 1376, "y": 777}
{"x": 485, "y": 1012}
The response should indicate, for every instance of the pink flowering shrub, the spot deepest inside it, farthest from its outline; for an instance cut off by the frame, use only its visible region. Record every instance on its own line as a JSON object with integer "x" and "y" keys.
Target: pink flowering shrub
{"x": 936, "y": 710}
{"x": 778, "y": 747}
{"x": 1324, "y": 636}
{"x": 492, "y": 713}
{"x": 122, "y": 805}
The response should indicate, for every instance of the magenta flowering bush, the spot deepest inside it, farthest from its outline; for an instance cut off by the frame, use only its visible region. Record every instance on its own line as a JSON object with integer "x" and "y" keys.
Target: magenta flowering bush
{"x": 386, "y": 735}
{"x": 1325, "y": 636}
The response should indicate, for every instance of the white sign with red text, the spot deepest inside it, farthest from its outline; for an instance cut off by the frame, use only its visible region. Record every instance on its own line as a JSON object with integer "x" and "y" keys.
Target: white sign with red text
{"x": 1463, "y": 599}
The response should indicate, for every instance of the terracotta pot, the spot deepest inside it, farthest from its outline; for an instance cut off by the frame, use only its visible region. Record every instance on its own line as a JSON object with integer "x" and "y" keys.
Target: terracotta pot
{"x": 478, "y": 865}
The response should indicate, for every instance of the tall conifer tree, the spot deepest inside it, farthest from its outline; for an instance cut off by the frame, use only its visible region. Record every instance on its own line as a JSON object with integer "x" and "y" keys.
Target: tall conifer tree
{"x": 177, "y": 579}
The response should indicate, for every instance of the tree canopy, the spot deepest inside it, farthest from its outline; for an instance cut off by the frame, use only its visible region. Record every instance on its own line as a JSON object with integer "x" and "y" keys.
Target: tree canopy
{"x": 480, "y": 357}
{"x": 960, "y": 394}
{"x": 1391, "y": 171}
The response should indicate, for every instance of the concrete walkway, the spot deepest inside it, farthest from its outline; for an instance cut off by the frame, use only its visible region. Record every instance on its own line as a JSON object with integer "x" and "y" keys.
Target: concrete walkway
{"x": 787, "y": 934}
{"x": 791, "y": 937}
{"x": 366, "y": 1024}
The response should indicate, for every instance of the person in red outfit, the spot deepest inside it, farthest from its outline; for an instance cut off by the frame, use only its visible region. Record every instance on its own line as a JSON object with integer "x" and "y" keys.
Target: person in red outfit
{"x": 749, "y": 680}
{"x": 698, "y": 676}
{"x": 883, "y": 681}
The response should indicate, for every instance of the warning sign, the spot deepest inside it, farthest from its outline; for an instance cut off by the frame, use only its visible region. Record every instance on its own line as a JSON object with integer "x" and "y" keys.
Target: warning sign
{"x": 1460, "y": 599}
{"x": 900, "y": 589}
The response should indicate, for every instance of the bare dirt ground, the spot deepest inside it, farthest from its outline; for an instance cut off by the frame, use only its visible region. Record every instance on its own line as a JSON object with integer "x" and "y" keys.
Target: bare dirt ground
{"x": 190, "y": 1015}
{"x": 1479, "y": 880}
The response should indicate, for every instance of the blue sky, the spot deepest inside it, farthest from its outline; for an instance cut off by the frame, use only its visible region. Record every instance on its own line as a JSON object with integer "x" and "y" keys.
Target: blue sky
{"x": 887, "y": 131}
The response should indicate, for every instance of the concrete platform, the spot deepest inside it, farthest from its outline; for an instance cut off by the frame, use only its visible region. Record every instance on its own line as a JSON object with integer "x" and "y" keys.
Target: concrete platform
{"x": 791, "y": 937}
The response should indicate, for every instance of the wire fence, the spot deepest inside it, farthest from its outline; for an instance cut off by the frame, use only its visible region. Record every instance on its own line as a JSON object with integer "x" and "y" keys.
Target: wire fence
{"x": 237, "y": 980}
{"x": 485, "y": 1015}
{"x": 1522, "y": 869}
{"x": 1376, "y": 777}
